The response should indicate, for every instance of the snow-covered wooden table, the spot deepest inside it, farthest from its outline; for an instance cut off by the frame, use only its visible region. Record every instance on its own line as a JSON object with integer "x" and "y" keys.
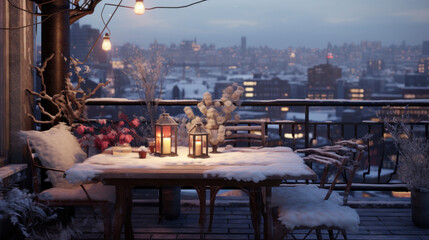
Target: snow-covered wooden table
{"x": 255, "y": 169}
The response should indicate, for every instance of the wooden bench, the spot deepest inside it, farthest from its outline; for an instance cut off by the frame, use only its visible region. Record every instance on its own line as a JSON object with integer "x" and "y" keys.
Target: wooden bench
{"x": 10, "y": 174}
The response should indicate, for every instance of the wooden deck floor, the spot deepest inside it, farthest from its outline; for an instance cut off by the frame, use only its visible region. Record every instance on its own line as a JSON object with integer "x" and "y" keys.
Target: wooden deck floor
{"x": 233, "y": 222}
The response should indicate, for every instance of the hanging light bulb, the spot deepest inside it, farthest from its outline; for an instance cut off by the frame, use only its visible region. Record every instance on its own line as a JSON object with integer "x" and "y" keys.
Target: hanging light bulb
{"x": 107, "y": 45}
{"x": 139, "y": 7}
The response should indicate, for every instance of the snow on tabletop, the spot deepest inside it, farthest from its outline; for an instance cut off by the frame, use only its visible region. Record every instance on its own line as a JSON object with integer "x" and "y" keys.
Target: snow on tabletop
{"x": 260, "y": 163}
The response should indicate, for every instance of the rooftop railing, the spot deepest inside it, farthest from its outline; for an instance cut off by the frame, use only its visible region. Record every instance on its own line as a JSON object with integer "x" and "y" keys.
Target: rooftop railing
{"x": 378, "y": 170}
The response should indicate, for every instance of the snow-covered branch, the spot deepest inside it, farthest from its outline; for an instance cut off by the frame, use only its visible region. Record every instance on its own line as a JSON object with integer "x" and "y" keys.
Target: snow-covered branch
{"x": 70, "y": 102}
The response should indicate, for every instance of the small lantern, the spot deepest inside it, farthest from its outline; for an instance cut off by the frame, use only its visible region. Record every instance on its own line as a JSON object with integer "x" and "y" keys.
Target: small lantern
{"x": 165, "y": 136}
{"x": 198, "y": 142}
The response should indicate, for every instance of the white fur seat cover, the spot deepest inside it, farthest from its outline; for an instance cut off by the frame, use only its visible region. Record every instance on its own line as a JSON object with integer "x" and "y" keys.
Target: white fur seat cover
{"x": 97, "y": 192}
{"x": 302, "y": 194}
{"x": 304, "y": 206}
{"x": 324, "y": 213}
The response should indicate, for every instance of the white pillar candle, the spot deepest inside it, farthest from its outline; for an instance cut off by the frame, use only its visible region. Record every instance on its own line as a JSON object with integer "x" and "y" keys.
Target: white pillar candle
{"x": 166, "y": 145}
{"x": 197, "y": 148}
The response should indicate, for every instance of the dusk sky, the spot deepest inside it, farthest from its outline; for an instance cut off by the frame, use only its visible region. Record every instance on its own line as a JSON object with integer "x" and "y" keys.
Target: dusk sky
{"x": 275, "y": 23}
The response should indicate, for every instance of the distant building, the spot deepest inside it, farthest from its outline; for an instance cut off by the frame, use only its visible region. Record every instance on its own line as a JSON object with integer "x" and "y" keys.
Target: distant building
{"x": 415, "y": 92}
{"x": 82, "y": 38}
{"x": 292, "y": 59}
{"x": 372, "y": 84}
{"x": 416, "y": 80}
{"x": 425, "y": 48}
{"x": 322, "y": 80}
{"x": 243, "y": 46}
{"x": 423, "y": 65}
{"x": 219, "y": 87}
{"x": 264, "y": 89}
{"x": 374, "y": 67}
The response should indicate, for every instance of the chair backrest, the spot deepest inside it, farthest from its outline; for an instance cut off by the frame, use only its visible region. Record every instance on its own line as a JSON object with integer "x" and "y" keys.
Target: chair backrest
{"x": 344, "y": 155}
{"x": 34, "y": 165}
{"x": 34, "y": 172}
{"x": 251, "y": 132}
{"x": 351, "y": 165}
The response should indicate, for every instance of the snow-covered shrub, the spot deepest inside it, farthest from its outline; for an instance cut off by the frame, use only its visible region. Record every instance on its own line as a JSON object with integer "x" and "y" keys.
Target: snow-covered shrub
{"x": 414, "y": 155}
{"x": 32, "y": 220}
{"x": 215, "y": 113}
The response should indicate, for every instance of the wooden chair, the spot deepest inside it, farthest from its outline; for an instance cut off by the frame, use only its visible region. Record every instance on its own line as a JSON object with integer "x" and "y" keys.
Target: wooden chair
{"x": 315, "y": 208}
{"x": 251, "y": 132}
{"x": 94, "y": 195}
{"x": 243, "y": 133}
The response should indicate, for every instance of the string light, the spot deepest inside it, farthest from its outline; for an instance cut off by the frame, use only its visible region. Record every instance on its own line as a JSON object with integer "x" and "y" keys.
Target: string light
{"x": 139, "y": 7}
{"x": 107, "y": 45}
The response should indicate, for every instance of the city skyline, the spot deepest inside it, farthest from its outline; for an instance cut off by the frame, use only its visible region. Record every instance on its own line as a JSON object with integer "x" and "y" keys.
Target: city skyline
{"x": 271, "y": 23}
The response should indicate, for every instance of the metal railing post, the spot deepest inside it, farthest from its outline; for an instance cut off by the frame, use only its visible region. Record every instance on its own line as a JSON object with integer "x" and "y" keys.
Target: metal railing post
{"x": 307, "y": 125}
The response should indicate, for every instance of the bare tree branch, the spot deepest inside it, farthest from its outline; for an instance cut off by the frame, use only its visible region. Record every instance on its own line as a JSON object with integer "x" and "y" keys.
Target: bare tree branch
{"x": 69, "y": 102}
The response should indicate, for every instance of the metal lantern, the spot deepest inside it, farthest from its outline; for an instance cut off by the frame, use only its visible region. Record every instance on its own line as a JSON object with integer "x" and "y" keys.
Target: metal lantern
{"x": 198, "y": 142}
{"x": 165, "y": 136}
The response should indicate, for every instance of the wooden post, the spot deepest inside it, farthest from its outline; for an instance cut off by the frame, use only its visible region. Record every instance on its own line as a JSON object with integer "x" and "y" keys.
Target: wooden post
{"x": 55, "y": 40}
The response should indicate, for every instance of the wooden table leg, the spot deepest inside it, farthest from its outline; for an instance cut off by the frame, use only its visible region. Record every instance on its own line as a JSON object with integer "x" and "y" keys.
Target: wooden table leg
{"x": 122, "y": 213}
{"x": 201, "y": 190}
{"x": 255, "y": 209}
{"x": 268, "y": 219}
{"x": 213, "y": 192}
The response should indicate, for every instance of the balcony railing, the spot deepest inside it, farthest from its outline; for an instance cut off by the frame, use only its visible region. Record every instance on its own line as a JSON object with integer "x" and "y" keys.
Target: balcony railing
{"x": 380, "y": 164}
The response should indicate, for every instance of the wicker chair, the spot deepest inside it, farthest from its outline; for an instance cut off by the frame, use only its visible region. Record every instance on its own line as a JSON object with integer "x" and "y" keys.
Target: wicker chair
{"x": 94, "y": 195}
{"x": 315, "y": 208}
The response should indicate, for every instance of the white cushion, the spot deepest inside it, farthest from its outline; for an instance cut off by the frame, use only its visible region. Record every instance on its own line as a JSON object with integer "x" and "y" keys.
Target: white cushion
{"x": 324, "y": 213}
{"x": 302, "y": 194}
{"x": 97, "y": 192}
{"x": 56, "y": 148}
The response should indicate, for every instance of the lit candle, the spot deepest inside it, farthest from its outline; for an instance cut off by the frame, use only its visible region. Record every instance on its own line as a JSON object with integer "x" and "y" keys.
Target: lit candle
{"x": 197, "y": 148}
{"x": 166, "y": 145}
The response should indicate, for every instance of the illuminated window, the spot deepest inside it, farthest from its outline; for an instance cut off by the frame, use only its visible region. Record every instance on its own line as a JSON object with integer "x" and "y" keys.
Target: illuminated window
{"x": 284, "y": 109}
{"x": 247, "y": 83}
{"x": 249, "y": 89}
{"x": 117, "y": 64}
{"x": 355, "y": 90}
{"x": 286, "y": 94}
{"x": 249, "y": 95}
{"x": 409, "y": 96}
{"x": 293, "y": 136}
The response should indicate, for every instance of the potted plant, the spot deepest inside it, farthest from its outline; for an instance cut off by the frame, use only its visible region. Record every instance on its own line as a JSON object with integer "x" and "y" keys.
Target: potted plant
{"x": 21, "y": 217}
{"x": 413, "y": 168}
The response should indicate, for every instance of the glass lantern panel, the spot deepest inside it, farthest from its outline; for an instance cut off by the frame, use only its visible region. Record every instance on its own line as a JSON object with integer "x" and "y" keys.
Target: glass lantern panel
{"x": 166, "y": 131}
{"x": 204, "y": 147}
{"x": 191, "y": 144}
{"x": 173, "y": 133}
{"x": 158, "y": 139}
